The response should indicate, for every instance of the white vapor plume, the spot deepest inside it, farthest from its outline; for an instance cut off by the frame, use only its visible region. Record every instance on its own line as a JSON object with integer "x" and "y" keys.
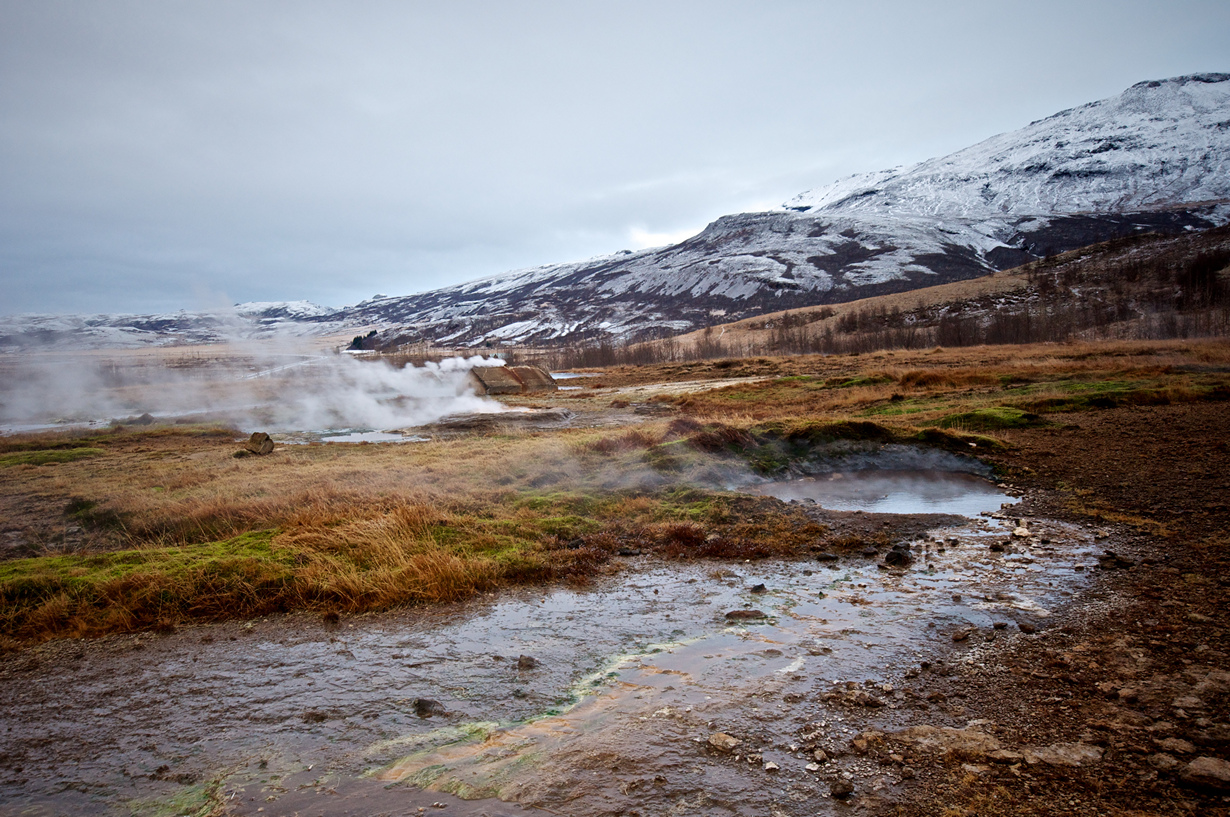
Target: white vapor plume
{"x": 271, "y": 388}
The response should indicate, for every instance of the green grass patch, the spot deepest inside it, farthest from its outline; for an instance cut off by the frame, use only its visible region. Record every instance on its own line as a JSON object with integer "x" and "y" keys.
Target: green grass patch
{"x": 47, "y": 456}
{"x": 135, "y": 589}
{"x": 996, "y": 418}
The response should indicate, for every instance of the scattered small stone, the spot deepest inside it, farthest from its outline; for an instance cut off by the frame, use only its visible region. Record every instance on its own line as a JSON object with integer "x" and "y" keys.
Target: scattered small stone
{"x": 1000, "y": 625}
{"x": 1021, "y": 533}
{"x": 820, "y": 756}
{"x": 724, "y": 742}
{"x": 759, "y": 588}
{"x": 962, "y": 635}
{"x": 998, "y": 547}
{"x": 527, "y": 662}
{"x": 629, "y": 552}
{"x": 812, "y": 767}
{"x": 826, "y": 557}
{"x": 1026, "y": 627}
{"x": 771, "y": 766}
{"x": 746, "y": 615}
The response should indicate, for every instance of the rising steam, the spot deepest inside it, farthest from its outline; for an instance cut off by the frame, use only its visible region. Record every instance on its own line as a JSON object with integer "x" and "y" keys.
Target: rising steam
{"x": 270, "y": 388}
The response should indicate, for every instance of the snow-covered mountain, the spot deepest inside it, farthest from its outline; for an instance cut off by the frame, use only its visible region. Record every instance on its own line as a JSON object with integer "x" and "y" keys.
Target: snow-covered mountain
{"x": 250, "y": 321}
{"x": 1156, "y": 157}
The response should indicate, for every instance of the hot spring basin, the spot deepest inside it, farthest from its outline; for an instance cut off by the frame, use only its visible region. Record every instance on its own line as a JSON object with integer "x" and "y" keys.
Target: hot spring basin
{"x": 887, "y": 491}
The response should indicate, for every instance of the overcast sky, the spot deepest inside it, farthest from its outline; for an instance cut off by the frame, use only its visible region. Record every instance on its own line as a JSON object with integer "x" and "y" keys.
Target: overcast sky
{"x": 162, "y": 155}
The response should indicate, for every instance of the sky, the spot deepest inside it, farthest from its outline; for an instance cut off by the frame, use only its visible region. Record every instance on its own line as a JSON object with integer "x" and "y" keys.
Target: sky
{"x": 190, "y": 154}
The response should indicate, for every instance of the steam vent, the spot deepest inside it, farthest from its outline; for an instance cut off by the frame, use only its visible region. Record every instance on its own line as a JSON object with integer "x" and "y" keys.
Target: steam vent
{"x": 512, "y": 380}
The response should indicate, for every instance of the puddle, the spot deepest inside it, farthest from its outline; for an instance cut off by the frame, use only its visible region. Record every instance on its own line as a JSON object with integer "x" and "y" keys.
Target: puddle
{"x": 877, "y": 491}
{"x": 629, "y": 679}
{"x": 367, "y": 436}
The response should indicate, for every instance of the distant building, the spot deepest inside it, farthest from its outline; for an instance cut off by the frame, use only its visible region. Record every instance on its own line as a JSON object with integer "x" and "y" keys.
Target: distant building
{"x": 512, "y": 380}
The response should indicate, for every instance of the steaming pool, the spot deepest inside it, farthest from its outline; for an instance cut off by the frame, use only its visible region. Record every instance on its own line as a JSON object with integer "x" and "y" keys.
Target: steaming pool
{"x": 892, "y": 491}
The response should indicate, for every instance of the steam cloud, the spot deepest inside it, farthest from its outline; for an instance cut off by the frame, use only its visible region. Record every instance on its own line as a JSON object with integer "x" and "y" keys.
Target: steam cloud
{"x": 270, "y": 388}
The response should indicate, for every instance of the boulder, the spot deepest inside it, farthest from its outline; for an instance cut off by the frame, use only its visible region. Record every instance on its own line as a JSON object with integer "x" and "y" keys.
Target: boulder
{"x": 259, "y": 443}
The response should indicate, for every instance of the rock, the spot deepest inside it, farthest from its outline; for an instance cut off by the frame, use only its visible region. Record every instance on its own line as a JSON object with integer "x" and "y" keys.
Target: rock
{"x": 897, "y": 558}
{"x": 1005, "y": 756}
{"x": 1188, "y": 702}
{"x": 826, "y": 557}
{"x": 968, "y": 743}
{"x": 864, "y": 698}
{"x": 1000, "y": 625}
{"x": 527, "y": 662}
{"x": 812, "y": 767}
{"x": 1063, "y": 754}
{"x": 820, "y": 756}
{"x": 1026, "y": 627}
{"x": 426, "y": 707}
{"x": 144, "y": 420}
{"x": 998, "y": 547}
{"x": 861, "y": 744}
{"x": 629, "y": 551}
{"x": 1021, "y": 533}
{"x": 1109, "y": 560}
{"x": 724, "y": 742}
{"x": 1163, "y": 762}
{"x": 1177, "y": 746}
{"x": 1207, "y": 771}
{"x": 759, "y": 588}
{"x": 841, "y": 789}
{"x": 259, "y": 443}
{"x": 962, "y": 635}
{"x": 771, "y": 766}
{"x": 746, "y": 615}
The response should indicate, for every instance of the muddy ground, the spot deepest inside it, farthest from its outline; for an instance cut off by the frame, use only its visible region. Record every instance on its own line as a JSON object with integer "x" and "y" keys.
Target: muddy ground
{"x": 1138, "y": 667}
{"x": 1103, "y": 709}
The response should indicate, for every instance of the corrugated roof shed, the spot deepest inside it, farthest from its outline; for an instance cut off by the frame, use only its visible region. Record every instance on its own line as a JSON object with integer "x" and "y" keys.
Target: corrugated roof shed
{"x": 512, "y": 379}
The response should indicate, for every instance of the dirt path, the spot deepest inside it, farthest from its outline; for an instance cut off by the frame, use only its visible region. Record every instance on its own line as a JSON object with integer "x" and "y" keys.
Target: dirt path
{"x": 1138, "y": 672}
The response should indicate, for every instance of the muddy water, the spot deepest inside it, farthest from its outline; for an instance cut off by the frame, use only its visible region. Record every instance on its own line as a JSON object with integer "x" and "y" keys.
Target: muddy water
{"x": 612, "y": 716}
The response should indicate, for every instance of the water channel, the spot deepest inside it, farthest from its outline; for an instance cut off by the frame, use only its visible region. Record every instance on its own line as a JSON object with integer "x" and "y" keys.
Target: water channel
{"x": 583, "y": 702}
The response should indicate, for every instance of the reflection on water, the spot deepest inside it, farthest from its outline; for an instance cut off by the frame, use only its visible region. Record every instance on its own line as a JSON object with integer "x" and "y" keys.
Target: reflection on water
{"x": 877, "y": 491}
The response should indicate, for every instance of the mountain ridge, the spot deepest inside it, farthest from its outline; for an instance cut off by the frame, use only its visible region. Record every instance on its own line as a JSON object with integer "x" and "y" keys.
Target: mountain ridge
{"x": 1153, "y": 158}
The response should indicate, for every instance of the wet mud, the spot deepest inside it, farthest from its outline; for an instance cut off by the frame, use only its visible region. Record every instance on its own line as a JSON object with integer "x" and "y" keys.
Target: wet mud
{"x": 597, "y": 701}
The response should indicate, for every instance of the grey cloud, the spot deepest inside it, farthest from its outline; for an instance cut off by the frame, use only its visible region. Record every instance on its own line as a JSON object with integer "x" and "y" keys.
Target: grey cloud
{"x": 328, "y": 151}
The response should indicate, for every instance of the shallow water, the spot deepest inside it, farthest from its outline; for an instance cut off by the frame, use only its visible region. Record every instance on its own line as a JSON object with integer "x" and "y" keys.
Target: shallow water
{"x": 631, "y": 677}
{"x": 892, "y": 491}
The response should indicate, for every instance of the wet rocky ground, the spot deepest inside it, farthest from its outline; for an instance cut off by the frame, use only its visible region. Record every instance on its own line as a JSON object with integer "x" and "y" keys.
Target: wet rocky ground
{"x": 1067, "y": 657}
